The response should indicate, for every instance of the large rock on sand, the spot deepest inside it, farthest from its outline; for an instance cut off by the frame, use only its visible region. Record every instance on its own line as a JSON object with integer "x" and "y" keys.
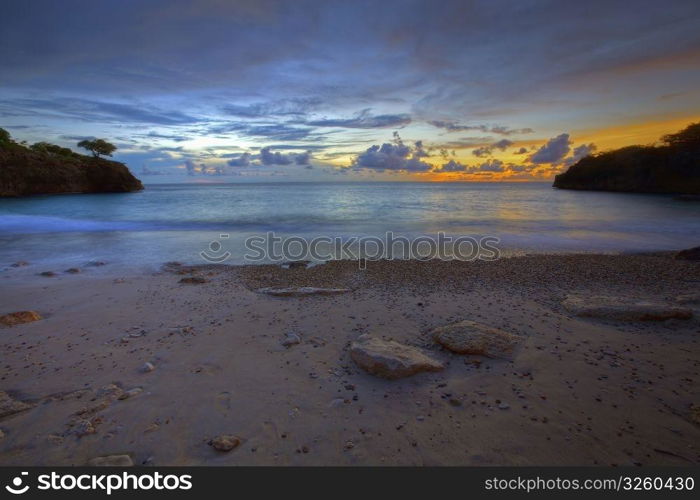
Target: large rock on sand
{"x": 389, "y": 359}
{"x": 17, "y": 318}
{"x": 301, "y": 291}
{"x": 470, "y": 337}
{"x": 623, "y": 309}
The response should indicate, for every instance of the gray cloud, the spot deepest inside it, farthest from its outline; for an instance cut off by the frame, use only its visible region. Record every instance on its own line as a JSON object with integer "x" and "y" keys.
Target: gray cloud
{"x": 394, "y": 156}
{"x": 364, "y": 119}
{"x": 493, "y": 129}
{"x": 580, "y": 152}
{"x": 501, "y": 145}
{"x": 553, "y": 151}
{"x": 242, "y": 160}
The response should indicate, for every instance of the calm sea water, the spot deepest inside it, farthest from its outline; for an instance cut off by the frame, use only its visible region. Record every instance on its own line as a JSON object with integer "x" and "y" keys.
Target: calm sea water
{"x": 178, "y": 221}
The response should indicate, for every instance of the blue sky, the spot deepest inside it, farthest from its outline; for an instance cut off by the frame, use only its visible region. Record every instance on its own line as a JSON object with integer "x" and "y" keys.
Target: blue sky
{"x": 319, "y": 90}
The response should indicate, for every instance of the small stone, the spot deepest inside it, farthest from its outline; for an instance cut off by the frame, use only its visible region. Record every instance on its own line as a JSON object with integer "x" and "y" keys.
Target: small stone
{"x": 20, "y": 317}
{"x": 111, "y": 461}
{"x": 503, "y": 406}
{"x": 20, "y": 263}
{"x": 291, "y": 339}
{"x": 73, "y": 270}
{"x": 48, "y": 274}
{"x": 695, "y": 414}
{"x": 225, "y": 442}
{"x": 96, "y": 263}
{"x": 455, "y": 402}
{"x": 147, "y": 367}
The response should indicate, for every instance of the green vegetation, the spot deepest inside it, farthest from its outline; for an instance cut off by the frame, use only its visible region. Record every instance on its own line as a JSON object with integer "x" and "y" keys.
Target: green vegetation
{"x": 673, "y": 167}
{"x": 98, "y": 147}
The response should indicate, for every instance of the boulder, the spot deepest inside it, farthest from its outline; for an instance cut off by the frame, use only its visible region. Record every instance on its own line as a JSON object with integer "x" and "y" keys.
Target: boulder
{"x": 470, "y": 337}
{"x": 391, "y": 360}
{"x": 17, "y": 318}
{"x": 301, "y": 291}
{"x": 10, "y": 406}
{"x": 689, "y": 254}
{"x": 112, "y": 461}
{"x": 623, "y": 309}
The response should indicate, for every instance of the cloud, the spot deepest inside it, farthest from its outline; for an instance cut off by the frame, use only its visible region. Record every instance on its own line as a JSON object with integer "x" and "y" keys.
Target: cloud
{"x": 491, "y": 166}
{"x": 364, "y": 119}
{"x": 521, "y": 151}
{"x": 580, "y": 152}
{"x": 501, "y": 145}
{"x": 242, "y": 160}
{"x": 451, "y": 126}
{"x": 94, "y": 111}
{"x": 283, "y": 107}
{"x": 553, "y": 152}
{"x": 303, "y": 158}
{"x": 453, "y": 166}
{"x": 394, "y": 156}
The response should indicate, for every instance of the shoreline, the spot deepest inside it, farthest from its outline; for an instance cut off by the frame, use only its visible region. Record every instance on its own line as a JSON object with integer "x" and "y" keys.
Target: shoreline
{"x": 580, "y": 391}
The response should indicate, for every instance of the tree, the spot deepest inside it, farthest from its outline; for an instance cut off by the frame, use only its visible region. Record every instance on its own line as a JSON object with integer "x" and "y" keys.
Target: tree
{"x": 688, "y": 138}
{"x": 98, "y": 147}
{"x": 5, "y": 137}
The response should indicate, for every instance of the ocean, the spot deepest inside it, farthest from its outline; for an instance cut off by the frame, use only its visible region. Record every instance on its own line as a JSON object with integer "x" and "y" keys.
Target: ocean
{"x": 167, "y": 222}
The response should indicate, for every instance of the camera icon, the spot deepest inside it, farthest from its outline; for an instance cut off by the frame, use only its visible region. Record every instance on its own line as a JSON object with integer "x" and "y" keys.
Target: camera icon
{"x": 16, "y": 487}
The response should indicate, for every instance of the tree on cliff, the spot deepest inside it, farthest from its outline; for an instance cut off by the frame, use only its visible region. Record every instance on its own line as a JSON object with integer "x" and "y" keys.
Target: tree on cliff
{"x": 98, "y": 147}
{"x": 688, "y": 138}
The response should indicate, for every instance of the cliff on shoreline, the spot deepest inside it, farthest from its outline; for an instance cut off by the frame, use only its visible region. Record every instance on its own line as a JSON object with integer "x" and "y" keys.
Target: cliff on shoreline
{"x": 50, "y": 169}
{"x": 673, "y": 167}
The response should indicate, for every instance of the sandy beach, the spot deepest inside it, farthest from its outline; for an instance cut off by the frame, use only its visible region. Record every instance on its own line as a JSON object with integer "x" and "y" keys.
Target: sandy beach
{"x": 155, "y": 368}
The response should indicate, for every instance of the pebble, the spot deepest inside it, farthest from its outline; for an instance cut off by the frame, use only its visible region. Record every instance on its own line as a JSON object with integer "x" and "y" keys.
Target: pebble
{"x": 147, "y": 367}
{"x": 225, "y": 442}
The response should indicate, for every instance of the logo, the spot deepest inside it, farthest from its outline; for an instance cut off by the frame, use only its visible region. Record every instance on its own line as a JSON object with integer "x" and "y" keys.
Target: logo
{"x": 17, "y": 483}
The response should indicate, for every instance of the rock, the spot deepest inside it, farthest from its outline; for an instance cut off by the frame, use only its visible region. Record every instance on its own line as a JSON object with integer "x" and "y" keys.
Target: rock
{"x": 296, "y": 264}
{"x": 623, "y": 309}
{"x": 47, "y": 274}
{"x": 301, "y": 291}
{"x": 111, "y": 461}
{"x": 689, "y": 254}
{"x": 291, "y": 339}
{"x": 225, "y": 442}
{"x": 689, "y": 299}
{"x": 470, "y": 337}
{"x": 10, "y": 406}
{"x": 131, "y": 393}
{"x": 96, "y": 263}
{"x": 20, "y": 263}
{"x": 391, "y": 360}
{"x": 147, "y": 367}
{"x": 193, "y": 280}
{"x": 20, "y": 317}
{"x": 73, "y": 270}
{"x": 503, "y": 406}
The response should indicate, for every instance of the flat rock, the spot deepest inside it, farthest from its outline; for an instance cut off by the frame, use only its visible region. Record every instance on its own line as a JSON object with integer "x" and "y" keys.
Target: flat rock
{"x": 10, "y": 406}
{"x": 391, "y": 360}
{"x": 225, "y": 442}
{"x": 19, "y": 317}
{"x": 470, "y": 337}
{"x": 291, "y": 339}
{"x": 623, "y": 309}
{"x": 112, "y": 461}
{"x": 301, "y": 291}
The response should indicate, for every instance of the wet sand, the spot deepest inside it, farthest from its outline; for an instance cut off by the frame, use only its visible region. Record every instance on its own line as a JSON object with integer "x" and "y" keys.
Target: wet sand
{"x": 579, "y": 391}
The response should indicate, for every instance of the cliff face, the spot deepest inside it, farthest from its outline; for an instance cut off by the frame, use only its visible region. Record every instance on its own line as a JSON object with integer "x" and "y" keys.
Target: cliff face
{"x": 24, "y": 172}
{"x": 637, "y": 169}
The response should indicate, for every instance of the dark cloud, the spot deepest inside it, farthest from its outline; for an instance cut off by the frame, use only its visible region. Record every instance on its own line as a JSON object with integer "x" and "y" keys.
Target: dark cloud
{"x": 493, "y": 129}
{"x": 394, "y": 156}
{"x": 521, "y": 151}
{"x": 553, "y": 151}
{"x": 364, "y": 119}
{"x": 284, "y": 107}
{"x": 242, "y": 160}
{"x": 501, "y": 145}
{"x": 580, "y": 152}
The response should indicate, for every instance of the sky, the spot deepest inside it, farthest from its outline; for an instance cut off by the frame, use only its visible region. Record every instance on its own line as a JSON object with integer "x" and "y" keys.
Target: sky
{"x": 226, "y": 91}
